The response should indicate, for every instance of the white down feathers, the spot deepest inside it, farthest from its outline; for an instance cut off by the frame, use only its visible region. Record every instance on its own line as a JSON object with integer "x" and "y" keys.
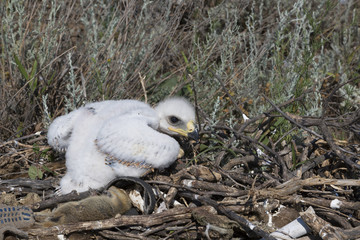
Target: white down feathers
{"x": 106, "y": 139}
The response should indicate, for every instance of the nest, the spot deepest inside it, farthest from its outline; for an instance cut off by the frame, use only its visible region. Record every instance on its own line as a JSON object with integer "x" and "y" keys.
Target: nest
{"x": 254, "y": 191}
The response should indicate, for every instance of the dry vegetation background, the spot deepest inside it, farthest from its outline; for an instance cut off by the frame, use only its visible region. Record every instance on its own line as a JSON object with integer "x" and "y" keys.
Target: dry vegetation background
{"x": 292, "y": 67}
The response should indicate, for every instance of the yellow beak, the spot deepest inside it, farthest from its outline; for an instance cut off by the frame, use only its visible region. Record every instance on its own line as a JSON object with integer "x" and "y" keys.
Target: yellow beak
{"x": 190, "y": 132}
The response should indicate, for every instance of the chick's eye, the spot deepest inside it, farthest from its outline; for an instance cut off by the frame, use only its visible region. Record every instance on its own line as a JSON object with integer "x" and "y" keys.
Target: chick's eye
{"x": 174, "y": 119}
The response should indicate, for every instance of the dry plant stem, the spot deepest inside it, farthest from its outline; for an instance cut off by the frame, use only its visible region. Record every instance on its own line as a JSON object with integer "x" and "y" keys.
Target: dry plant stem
{"x": 325, "y": 230}
{"x": 120, "y": 235}
{"x": 224, "y": 173}
{"x": 238, "y": 161}
{"x": 179, "y": 187}
{"x": 311, "y": 163}
{"x": 190, "y": 225}
{"x": 38, "y": 139}
{"x": 250, "y": 229}
{"x": 213, "y": 190}
{"x": 41, "y": 148}
{"x": 168, "y": 225}
{"x": 322, "y": 124}
{"x": 13, "y": 230}
{"x": 161, "y": 42}
{"x": 25, "y": 185}
{"x": 324, "y": 130}
{"x": 290, "y": 187}
{"x": 53, "y": 202}
{"x": 336, "y": 148}
{"x": 83, "y": 81}
{"x": 353, "y": 233}
{"x": 337, "y": 87}
{"x": 245, "y": 179}
{"x": 222, "y": 153}
{"x": 227, "y": 93}
{"x": 325, "y": 204}
{"x": 171, "y": 194}
{"x": 335, "y": 218}
{"x": 220, "y": 156}
{"x": 214, "y": 187}
{"x": 330, "y": 194}
{"x": 142, "y": 81}
{"x": 254, "y": 119}
{"x": 240, "y": 135}
{"x": 52, "y": 61}
{"x": 271, "y": 180}
{"x": 198, "y": 120}
{"x": 338, "y": 122}
{"x": 283, "y": 136}
{"x": 278, "y": 160}
{"x": 290, "y": 119}
{"x": 145, "y": 221}
{"x": 20, "y": 138}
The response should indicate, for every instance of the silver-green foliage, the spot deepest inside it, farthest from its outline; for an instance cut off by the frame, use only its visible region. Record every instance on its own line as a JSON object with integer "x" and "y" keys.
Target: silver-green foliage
{"x": 285, "y": 55}
{"x": 93, "y": 50}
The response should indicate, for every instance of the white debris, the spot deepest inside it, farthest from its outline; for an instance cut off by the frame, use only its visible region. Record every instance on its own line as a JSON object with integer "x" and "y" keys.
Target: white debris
{"x": 250, "y": 225}
{"x": 335, "y": 204}
{"x": 270, "y": 222}
{"x": 187, "y": 182}
{"x": 245, "y": 117}
{"x": 259, "y": 152}
{"x": 162, "y": 207}
{"x": 61, "y": 237}
{"x": 294, "y": 229}
{"x": 137, "y": 200}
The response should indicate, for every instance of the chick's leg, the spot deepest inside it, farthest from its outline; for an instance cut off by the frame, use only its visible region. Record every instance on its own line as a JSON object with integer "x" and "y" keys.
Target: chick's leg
{"x": 181, "y": 153}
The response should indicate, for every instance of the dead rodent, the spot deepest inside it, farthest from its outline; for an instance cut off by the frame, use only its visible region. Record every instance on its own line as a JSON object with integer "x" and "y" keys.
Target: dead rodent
{"x": 116, "y": 201}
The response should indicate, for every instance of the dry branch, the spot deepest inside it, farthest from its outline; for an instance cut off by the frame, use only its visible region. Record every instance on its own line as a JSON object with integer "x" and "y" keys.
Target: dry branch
{"x": 325, "y": 230}
{"x": 251, "y": 229}
{"x": 25, "y": 185}
{"x": 293, "y": 185}
{"x": 145, "y": 221}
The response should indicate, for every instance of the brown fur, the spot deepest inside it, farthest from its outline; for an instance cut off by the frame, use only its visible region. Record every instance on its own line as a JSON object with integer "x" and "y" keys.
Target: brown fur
{"x": 91, "y": 209}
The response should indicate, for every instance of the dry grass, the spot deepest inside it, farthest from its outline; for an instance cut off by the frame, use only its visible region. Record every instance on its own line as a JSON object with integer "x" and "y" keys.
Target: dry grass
{"x": 230, "y": 57}
{"x": 56, "y": 56}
